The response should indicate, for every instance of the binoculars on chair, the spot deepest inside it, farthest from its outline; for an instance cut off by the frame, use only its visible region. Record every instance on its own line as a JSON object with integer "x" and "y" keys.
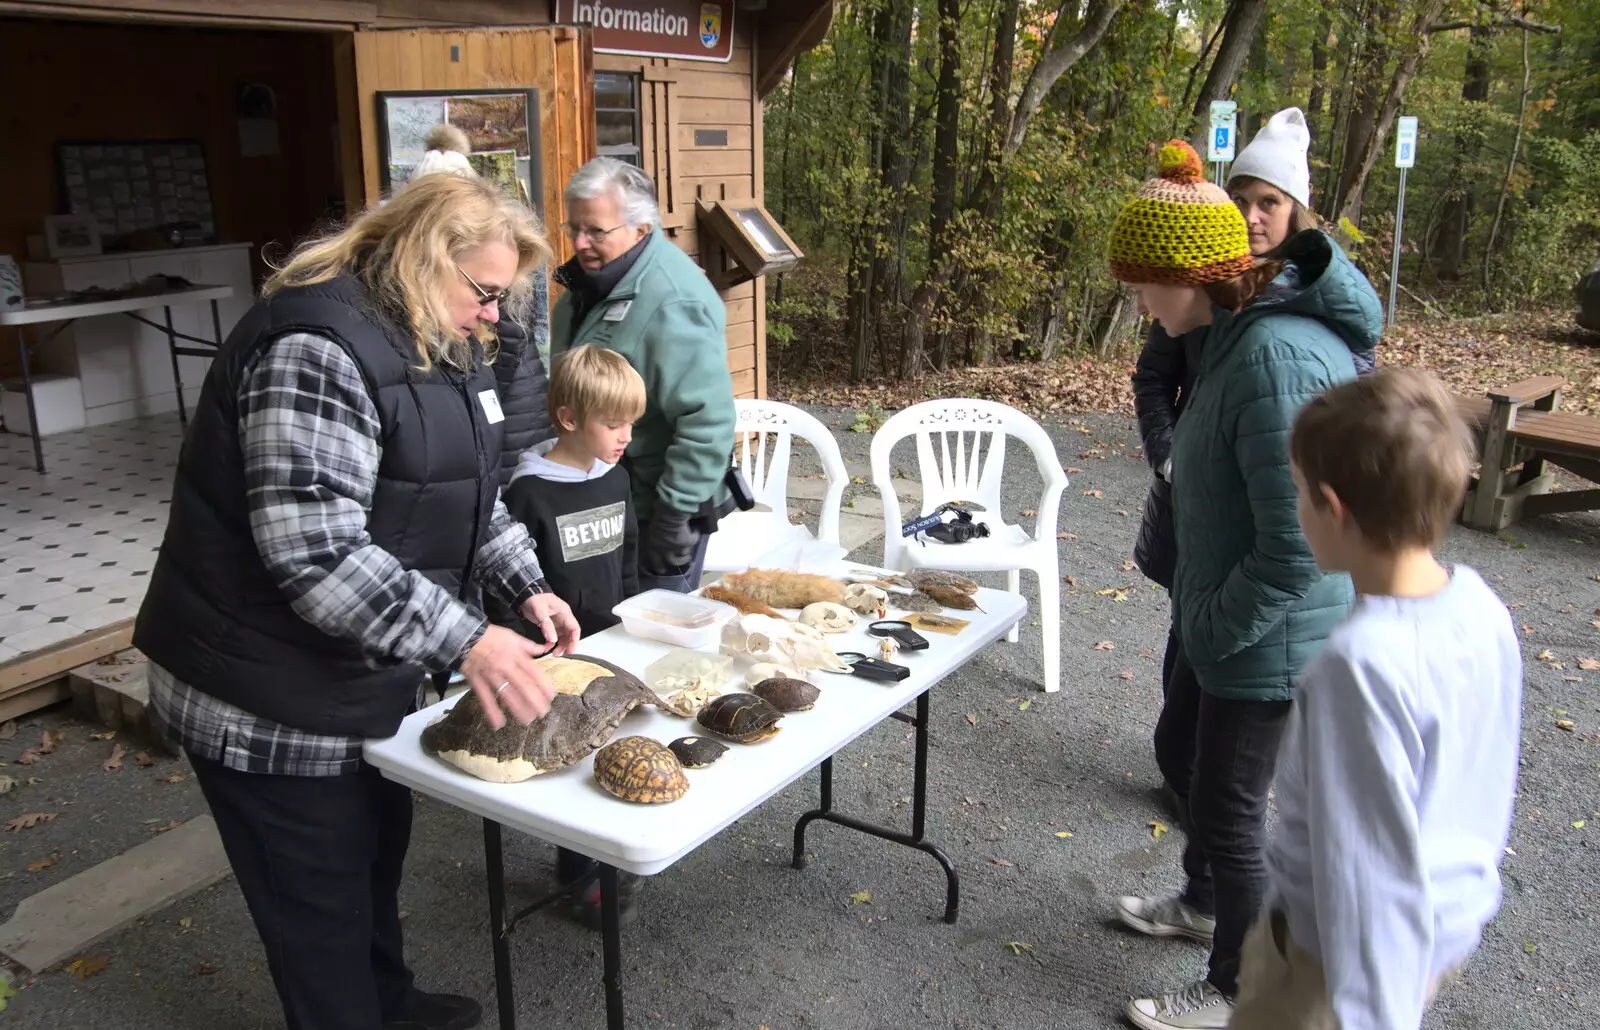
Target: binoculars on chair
{"x": 958, "y": 530}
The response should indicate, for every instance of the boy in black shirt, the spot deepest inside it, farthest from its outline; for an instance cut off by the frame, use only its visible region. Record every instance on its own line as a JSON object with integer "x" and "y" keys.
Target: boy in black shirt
{"x": 573, "y": 495}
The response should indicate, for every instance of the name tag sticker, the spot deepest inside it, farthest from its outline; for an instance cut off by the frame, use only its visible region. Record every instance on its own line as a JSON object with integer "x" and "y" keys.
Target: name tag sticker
{"x": 618, "y": 311}
{"x": 491, "y": 407}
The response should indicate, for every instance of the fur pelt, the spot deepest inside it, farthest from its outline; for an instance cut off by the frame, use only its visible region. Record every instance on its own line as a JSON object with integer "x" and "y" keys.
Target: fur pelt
{"x": 785, "y": 589}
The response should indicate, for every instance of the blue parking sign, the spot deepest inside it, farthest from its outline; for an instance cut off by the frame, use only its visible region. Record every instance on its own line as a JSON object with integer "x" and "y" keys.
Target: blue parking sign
{"x": 1222, "y": 137}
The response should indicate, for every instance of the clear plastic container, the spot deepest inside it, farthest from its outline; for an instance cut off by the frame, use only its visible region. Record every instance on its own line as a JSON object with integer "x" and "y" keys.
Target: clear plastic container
{"x": 682, "y": 669}
{"x": 674, "y": 618}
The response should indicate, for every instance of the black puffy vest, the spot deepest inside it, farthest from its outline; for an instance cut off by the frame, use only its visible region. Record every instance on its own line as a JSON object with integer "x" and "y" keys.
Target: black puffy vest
{"x": 214, "y": 616}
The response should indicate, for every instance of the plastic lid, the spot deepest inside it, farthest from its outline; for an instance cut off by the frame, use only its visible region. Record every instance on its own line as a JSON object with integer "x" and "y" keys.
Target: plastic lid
{"x": 670, "y": 608}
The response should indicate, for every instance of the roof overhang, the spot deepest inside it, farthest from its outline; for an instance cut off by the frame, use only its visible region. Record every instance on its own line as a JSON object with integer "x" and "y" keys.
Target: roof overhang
{"x": 784, "y": 30}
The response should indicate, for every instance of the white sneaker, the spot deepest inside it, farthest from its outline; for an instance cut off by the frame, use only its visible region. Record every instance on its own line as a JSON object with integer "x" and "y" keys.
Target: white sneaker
{"x": 1165, "y": 917}
{"x": 1198, "y": 1006}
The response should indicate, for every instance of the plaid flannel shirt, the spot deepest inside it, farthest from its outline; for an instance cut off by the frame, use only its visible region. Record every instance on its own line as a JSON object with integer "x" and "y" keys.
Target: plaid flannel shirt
{"x": 309, "y": 432}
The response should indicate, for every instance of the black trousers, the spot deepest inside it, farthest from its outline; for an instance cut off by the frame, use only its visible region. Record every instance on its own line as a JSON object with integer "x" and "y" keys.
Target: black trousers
{"x": 1219, "y": 755}
{"x": 318, "y": 860}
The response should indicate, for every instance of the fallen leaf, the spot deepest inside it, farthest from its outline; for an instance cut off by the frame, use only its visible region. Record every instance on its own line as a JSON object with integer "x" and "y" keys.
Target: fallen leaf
{"x": 1023, "y": 707}
{"x": 1001, "y": 862}
{"x": 972, "y": 720}
{"x": 1028, "y": 513}
{"x": 186, "y": 921}
{"x": 9, "y": 730}
{"x": 861, "y": 898}
{"x": 7, "y": 992}
{"x": 6, "y": 783}
{"x": 173, "y": 825}
{"x": 1063, "y": 834}
{"x": 205, "y": 969}
{"x": 1128, "y": 565}
{"x": 1120, "y": 511}
{"x": 29, "y": 821}
{"x": 49, "y": 741}
{"x": 1066, "y": 536}
{"x": 1126, "y": 674}
{"x": 175, "y": 777}
{"x": 1588, "y": 664}
{"x": 1572, "y": 679}
{"x": 1157, "y": 828}
{"x": 1530, "y": 947}
{"x": 107, "y": 735}
{"x": 1019, "y": 947}
{"x": 114, "y": 763}
{"x": 1093, "y": 493}
{"x": 1564, "y": 724}
{"x": 1545, "y": 656}
{"x": 86, "y": 966}
{"x": 43, "y": 863}
{"x": 1105, "y": 645}
{"x": 1069, "y": 581}
{"x": 1073, "y": 471}
{"x": 1529, "y": 629}
{"x": 1578, "y": 825}
{"x": 143, "y": 758}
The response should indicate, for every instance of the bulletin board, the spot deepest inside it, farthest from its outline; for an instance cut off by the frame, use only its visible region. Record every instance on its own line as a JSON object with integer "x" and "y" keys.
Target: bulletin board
{"x": 133, "y": 185}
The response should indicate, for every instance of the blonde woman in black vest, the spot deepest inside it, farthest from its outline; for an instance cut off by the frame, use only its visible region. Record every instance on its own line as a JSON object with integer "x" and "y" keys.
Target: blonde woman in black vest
{"x": 335, "y": 501}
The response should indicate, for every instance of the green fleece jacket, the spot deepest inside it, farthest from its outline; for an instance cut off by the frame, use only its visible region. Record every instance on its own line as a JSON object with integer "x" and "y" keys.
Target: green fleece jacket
{"x": 665, "y": 318}
{"x": 1250, "y": 604}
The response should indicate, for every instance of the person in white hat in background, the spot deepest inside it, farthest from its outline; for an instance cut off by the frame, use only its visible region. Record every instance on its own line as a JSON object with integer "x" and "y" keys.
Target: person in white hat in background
{"x": 448, "y": 148}
{"x": 1270, "y": 182}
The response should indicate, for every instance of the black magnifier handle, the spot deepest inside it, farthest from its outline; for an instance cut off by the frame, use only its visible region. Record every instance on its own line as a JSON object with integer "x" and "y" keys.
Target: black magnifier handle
{"x": 872, "y": 668}
{"x": 909, "y": 638}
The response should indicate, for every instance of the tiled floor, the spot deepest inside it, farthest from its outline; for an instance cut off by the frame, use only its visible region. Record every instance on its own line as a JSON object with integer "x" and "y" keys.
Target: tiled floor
{"x": 77, "y": 544}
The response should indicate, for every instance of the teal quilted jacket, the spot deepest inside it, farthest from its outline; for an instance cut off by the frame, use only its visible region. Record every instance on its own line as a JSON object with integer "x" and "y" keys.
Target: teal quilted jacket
{"x": 1250, "y": 604}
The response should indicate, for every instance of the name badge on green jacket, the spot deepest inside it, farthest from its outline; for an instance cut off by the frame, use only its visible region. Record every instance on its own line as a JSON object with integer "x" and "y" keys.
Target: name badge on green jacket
{"x": 618, "y": 311}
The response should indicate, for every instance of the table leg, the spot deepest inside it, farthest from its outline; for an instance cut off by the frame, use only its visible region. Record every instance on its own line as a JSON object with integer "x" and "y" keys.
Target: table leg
{"x": 27, "y": 388}
{"x": 919, "y": 811}
{"x": 611, "y": 934}
{"x": 494, "y": 869}
{"x": 177, "y": 377}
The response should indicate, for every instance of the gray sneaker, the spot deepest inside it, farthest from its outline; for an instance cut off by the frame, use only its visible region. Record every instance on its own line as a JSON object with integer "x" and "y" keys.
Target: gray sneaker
{"x": 1198, "y": 1006}
{"x": 1165, "y": 917}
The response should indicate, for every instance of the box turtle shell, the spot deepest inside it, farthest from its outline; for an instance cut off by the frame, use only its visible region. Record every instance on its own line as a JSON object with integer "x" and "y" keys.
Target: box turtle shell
{"x": 591, "y": 698}
{"x": 786, "y": 694}
{"x": 697, "y": 752}
{"x": 640, "y": 770}
{"x": 745, "y": 718}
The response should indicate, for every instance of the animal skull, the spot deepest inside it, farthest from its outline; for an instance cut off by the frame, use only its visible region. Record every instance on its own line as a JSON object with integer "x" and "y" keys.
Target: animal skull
{"x": 779, "y": 642}
{"x": 865, "y": 598}
{"x": 827, "y": 617}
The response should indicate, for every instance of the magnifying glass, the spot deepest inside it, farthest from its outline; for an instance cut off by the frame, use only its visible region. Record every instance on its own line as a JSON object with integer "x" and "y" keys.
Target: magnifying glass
{"x": 873, "y": 668}
{"x": 900, "y": 630}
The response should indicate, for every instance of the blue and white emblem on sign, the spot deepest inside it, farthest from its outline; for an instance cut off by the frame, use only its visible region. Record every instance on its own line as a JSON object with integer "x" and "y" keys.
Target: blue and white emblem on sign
{"x": 710, "y": 24}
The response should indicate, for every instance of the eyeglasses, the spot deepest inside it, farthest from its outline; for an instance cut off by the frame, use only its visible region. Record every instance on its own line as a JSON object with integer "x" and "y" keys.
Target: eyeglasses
{"x": 484, "y": 296}
{"x": 595, "y": 235}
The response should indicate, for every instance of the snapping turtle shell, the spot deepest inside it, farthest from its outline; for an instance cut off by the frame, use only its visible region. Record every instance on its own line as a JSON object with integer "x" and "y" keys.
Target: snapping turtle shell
{"x": 640, "y": 770}
{"x": 591, "y": 698}
{"x": 786, "y": 694}
{"x": 745, "y": 718}
{"x": 697, "y": 752}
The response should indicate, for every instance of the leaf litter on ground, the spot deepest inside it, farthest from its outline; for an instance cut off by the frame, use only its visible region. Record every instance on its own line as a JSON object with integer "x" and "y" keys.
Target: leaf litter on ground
{"x": 29, "y": 821}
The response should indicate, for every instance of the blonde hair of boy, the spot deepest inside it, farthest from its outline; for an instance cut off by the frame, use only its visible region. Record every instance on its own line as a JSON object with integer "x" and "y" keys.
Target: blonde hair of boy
{"x": 1395, "y": 451}
{"x": 593, "y": 382}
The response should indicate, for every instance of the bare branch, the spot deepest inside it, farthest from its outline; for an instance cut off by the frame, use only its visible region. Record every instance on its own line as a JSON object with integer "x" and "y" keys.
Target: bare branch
{"x": 1510, "y": 21}
{"x": 1053, "y": 65}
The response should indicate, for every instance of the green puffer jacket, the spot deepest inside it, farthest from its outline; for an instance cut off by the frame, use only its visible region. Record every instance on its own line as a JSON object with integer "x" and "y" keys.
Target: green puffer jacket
{"x": 1250, "y": 604}
{"x": 668, "y": 321}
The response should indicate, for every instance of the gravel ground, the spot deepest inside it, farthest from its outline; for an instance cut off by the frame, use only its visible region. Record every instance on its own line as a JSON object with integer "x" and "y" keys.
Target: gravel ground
{"x": 733, "y": 937}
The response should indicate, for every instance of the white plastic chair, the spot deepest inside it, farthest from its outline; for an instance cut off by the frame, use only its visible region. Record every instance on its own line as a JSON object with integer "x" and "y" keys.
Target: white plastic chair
{"x": 961, "y": 449}
{"x": 764, "y": 431}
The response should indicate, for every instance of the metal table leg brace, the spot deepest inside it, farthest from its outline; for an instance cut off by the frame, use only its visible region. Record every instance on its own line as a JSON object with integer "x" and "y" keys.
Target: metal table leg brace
{"x": 500, "y": 928}
{"x": 919, "y": 809}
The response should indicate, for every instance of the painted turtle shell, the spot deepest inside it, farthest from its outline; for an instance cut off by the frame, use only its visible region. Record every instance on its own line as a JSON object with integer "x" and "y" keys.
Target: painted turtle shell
{"x": 640, "y": 770}
{"x": 745, "y": 718}
{"x": 697, "y": 752}
{"x": 787, "y": 695}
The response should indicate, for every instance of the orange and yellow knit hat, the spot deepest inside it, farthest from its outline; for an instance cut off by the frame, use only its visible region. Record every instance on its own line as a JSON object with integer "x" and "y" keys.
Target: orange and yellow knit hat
{"x": 1179, "y": 228}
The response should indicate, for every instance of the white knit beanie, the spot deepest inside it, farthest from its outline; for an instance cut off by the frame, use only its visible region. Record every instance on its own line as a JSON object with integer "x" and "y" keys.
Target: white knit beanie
{"x": 447, "y": 151}
{"x": 1277, "y": 155}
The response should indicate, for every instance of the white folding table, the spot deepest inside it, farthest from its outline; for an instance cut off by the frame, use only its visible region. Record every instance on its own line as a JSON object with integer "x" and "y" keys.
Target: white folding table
{"x": 569, "y": 808}
{"x": 116, "y": 302}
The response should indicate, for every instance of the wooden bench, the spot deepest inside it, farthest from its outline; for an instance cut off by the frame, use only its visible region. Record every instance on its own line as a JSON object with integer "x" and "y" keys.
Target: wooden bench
{"x": 1521, "y": 432}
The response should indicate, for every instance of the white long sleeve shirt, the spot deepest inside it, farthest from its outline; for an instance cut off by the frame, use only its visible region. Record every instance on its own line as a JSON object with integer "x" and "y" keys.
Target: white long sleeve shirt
{"x": 1395, "y": 789}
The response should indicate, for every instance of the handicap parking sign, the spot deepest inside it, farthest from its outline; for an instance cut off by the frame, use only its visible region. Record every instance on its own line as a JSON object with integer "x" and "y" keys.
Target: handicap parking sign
{"x": 1221, "y": 148}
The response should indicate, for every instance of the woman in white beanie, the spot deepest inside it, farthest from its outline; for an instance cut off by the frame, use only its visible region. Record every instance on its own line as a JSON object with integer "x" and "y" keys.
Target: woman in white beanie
{"x": 448, "y": 148}
{"x": 1270, "y": 183}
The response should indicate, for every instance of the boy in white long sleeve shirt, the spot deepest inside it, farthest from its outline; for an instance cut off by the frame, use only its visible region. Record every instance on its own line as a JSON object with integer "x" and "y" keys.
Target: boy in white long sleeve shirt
{"x": 1399, "y": 764}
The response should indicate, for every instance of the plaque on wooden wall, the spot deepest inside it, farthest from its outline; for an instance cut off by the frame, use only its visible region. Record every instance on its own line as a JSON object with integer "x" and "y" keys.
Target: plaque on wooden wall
{"x": 695, "y": 30}
{"x": 132, "y": 185}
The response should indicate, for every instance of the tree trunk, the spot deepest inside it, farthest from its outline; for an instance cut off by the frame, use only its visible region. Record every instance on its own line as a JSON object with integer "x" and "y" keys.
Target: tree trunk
{"x": 1315, "y": 104}
{"x": 1511, "y": 166}
{"x": 895, "y": 169}
{"x": 946, "y": 128}
{"x": 1349, "y": 50}
{"x": 1456, "y": 217}
{"x": 1117, "y": 321}
{"x": 1410, "y": 60}
{"x": 1001, "y": 63}
{"x": 1240, "y": 26}
{"x": 1370, "y": 78}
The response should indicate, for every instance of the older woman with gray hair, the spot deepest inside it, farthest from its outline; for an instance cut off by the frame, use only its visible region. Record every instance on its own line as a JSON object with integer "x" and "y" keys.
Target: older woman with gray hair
{"x": 630, "y": 289}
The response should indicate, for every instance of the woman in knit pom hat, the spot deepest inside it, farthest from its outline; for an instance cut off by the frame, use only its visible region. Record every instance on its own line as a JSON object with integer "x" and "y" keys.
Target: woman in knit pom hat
{"x": 1249, "y": 605}
{"x": 448, "y": 148}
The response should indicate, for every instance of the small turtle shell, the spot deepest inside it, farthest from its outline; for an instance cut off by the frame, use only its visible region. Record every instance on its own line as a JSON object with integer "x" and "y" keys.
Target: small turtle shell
{"x": 745, "y": 718}
{"x": 640, "y": 770}
{"x": 787, "y": 695}
{"x": 697, "y": 752}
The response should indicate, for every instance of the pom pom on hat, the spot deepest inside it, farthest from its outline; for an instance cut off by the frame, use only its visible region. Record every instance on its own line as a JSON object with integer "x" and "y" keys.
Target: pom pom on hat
{"x": 1277, "y": 155}
{"x": 448, "y": 148}
{"x": 445, "y": 136}
{"x": 1179, "y": 228}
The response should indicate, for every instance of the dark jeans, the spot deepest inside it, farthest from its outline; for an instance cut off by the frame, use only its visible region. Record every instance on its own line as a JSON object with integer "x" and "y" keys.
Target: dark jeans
{"x": 318, "y": 859}
{"x": 685, "y": 582}
{"x": 1221, "y": 768}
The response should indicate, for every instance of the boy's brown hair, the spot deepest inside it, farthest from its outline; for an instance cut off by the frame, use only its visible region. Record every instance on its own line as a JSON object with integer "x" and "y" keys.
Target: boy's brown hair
{"x": 1394, "y": 449}
{"x": 595, "y": 382}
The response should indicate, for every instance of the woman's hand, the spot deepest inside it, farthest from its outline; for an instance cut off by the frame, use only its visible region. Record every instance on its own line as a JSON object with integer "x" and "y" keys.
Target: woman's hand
{"x": 503, "y": 670}
{"x": 555, "y": 621}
